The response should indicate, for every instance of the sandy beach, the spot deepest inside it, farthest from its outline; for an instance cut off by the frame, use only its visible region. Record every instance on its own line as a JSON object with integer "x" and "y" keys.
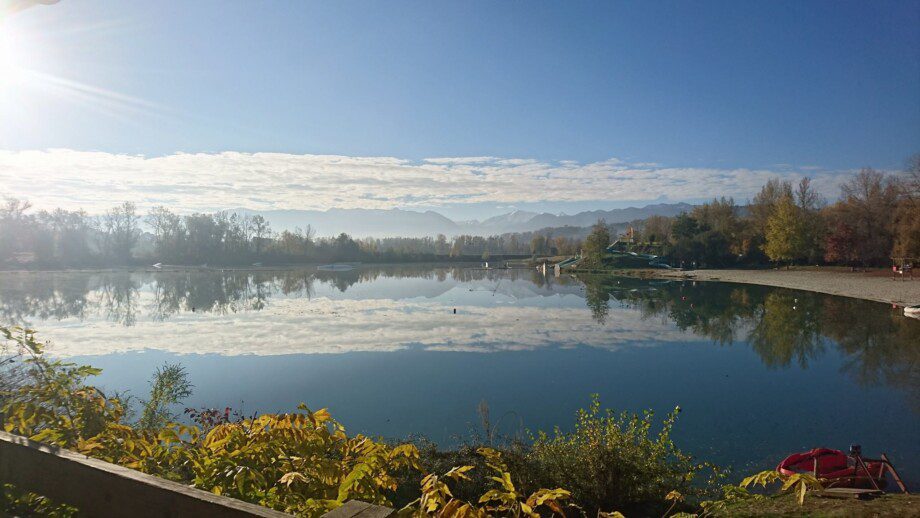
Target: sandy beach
{"x": 873, "y": 285}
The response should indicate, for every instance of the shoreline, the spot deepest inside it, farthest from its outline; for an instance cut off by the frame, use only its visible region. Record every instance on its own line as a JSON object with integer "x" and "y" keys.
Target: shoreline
{"x": 870, "y": 285}
{"x": 876, "y": 285}
{"x": 238, "y": 268}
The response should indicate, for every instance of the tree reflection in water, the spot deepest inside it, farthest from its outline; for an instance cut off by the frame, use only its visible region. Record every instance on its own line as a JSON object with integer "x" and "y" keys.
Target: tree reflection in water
{"x": 784, "y": 327}
{"x": 117, "y": 295}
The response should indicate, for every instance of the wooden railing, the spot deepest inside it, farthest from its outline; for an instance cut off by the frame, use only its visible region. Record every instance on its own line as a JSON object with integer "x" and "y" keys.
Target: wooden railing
{"x": 98, "y": 488}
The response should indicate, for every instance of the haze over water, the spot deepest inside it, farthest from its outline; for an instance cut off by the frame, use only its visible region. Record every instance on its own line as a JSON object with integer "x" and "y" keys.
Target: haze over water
{"x": 757, "y": 371}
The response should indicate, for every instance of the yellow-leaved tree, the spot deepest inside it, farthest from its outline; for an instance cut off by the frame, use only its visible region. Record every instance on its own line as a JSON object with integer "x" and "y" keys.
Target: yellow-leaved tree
{"x": 787, "y": 232}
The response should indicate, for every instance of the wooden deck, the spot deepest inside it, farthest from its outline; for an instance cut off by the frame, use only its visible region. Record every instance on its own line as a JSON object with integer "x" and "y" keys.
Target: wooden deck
{"x": 101, "y": 489}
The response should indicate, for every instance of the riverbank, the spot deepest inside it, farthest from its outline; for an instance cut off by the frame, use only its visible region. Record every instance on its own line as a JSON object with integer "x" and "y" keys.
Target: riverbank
{"x": 877, "y": 285}
{"x": 892, "y": 505}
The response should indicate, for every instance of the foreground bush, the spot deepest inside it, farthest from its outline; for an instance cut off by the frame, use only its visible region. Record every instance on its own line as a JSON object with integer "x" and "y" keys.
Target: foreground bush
{"x": 616, "y": 461}
{"x": 305, "y": 463}
{"x": 301, "y": 462}
{"x": 14, "y": 502}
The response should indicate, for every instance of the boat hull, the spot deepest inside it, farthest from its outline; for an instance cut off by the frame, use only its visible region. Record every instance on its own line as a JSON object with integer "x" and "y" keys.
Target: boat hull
{"x": 836, "y": 467}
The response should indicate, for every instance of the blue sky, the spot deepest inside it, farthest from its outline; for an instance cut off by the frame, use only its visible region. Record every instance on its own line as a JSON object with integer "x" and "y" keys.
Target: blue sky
{"x": 784, "y": 87}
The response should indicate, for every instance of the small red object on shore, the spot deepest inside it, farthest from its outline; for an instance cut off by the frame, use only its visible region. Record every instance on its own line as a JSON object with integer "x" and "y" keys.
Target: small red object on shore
{"x": 839, "y": 469}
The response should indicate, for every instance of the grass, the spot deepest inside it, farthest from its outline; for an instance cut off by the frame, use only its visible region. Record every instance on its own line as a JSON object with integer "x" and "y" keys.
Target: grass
{"x": 889, "y": 505}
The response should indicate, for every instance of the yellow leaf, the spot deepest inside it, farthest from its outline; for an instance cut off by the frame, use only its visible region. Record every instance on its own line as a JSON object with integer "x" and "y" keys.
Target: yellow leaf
{"x": 459, "y": 473}
{"x": 289, "y": 478}
{"x": 526, "y": 509}
{"x": 322, "y": 414}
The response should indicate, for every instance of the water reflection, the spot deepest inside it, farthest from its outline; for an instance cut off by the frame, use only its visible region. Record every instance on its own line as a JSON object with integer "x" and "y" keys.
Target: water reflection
{"x": 394, "y": 308}
{"x": 785, "y": 327}
{"x": 40, "y": 296}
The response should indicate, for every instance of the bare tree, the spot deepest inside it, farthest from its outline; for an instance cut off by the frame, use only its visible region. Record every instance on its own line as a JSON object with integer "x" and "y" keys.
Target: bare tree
{"x": 868, "y": 206}
{"x": 121, "y": 232}
{"x": 261, "y": 229}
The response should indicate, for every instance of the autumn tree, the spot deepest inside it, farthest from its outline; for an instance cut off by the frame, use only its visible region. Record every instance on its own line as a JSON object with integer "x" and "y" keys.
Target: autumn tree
{"x": 657, "y": 229}
{"x": 786, "y": 231}
{"x": 720, "y": 215}
{"x": 840, "y": 244}
{"x": 764, "y": 203}
{"x": 911, "y": 183}
{"x": 564, "y": 246}
{"x": 906, "y": 245}
{"x": 906, "y": 224}
{"x": 867, "y": 205}
{"x": 810, "y": 203}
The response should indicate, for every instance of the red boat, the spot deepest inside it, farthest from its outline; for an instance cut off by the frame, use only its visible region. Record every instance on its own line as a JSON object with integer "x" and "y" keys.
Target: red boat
{"x": 838, "y": 468}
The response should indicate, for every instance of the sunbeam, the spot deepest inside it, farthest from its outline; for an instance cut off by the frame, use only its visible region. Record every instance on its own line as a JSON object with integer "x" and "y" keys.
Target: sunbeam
{"x": 26, "y": 71}
{"x": 105, "y": 100}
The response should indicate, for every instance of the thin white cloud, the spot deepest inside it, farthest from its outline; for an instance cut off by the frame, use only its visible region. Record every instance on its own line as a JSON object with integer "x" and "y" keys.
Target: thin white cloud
{"x": 205, "y": 182}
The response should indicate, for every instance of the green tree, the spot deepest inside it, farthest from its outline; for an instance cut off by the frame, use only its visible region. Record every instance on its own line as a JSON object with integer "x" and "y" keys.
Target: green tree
{"x": 168, "y": 387}
{"x": 685, "y": 226}
{"x": 597, "y": 242}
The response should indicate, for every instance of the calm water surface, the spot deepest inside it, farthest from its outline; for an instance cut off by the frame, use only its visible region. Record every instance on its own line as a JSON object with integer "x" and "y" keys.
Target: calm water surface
{"x": 759, "y": 372}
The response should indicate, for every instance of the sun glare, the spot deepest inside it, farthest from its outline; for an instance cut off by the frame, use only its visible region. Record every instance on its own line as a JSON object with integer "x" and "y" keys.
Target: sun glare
{"x": 11, "y": 58}
{"x": 26, "y": 72}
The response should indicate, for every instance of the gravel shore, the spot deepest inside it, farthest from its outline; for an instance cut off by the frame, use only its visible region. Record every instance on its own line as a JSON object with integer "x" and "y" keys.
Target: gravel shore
{"x": 874, "y": 285}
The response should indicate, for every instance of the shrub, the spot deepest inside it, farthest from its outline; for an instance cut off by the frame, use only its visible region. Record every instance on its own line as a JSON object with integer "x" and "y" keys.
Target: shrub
{"x": 301, "y": 462}
{"x": 616, "y": 461}
{"x": 305, "y": 463}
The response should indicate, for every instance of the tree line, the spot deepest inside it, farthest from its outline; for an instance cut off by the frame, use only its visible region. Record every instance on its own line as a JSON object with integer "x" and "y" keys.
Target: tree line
{"x": 124, "y": 237}
{"x": 875, "y": 222}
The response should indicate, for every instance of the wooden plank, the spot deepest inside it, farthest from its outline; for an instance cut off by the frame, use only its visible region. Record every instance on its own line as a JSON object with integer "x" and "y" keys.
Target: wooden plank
{"x": 849, "y": 492}
{"x": 897, "y": 478}
{"x": 98, "y": 488}
{"x": 357, "y": 509}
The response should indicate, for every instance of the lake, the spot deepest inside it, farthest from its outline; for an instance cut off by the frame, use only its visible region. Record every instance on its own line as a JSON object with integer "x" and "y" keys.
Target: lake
{"x": 396, "y": 351}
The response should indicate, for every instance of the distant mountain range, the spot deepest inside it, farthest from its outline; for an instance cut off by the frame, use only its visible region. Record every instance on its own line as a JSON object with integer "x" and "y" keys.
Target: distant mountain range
{"x": 407, "y": 223}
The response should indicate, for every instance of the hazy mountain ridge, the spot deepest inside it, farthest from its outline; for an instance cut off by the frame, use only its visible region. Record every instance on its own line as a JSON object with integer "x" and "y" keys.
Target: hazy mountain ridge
{"x": 360, "y": 222}
{"x": 588, "y": 218}
{"x": 407, "y": 223}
